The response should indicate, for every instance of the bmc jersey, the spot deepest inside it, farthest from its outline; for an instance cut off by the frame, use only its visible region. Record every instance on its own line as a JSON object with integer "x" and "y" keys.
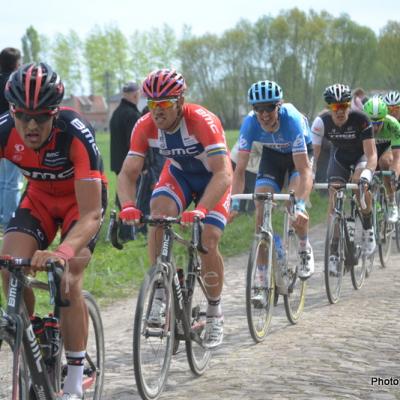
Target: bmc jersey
{"x": 293, "y": 134}
{"x": 198, "y": 136}
{"x": 70, "y": 153}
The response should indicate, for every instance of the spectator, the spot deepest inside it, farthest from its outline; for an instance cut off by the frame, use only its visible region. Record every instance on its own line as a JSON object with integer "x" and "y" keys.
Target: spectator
{"x": 10, "y": 176}
{"x": 358, "y": 99}
{"x": 122, "y": 122}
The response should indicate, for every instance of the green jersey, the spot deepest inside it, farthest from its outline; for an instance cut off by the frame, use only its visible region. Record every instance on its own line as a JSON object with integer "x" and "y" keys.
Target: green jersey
{"x": 388, "y": 136}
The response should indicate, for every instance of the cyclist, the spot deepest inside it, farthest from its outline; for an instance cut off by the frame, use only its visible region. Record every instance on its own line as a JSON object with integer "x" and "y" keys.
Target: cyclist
{"x": 387, "y": 137}
{"x": 392, "y": 100}
{"x": 56, "y": 151}
{"x": 197, "y": 169}
{"x": 285, "y": 136}
{"x": 353, "y": 144}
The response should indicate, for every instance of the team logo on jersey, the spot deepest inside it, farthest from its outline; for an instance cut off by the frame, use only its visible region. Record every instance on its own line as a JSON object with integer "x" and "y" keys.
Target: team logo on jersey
{"x": 19, "y": 147}
{"x": 54, "y": 159}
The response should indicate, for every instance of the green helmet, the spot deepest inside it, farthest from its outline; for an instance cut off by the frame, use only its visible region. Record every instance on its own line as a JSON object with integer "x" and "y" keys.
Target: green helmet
{"x": 376, "y": 108}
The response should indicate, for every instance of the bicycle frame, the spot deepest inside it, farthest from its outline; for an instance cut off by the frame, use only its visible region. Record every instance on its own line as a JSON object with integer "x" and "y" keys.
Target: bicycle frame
{"x": 181, "y": 295}
{"x": 16, "y": 322}
{"x": 266, "y": 229}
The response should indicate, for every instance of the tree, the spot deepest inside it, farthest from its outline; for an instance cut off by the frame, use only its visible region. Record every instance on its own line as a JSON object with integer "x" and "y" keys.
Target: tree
{"x": 31, "y": 45}
{"x": 67, "y": 56}
{"x": 389, "y": 54}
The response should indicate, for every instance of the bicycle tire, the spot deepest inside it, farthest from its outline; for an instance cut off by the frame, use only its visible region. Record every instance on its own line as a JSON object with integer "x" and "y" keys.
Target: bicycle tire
{"x": 384, "y": 229}
{"x": 93, "y": 370}
{"x": 333, "y": 281}
{"x": 294, "y": 300}
{"x": 6, "y": 366}
{"x": 197, "y": 355}
{"x": 358, "y": 271}
{"x": 153, "y": 347}
{"x": 397, "y": 235}
{"x": 258, "y": 314}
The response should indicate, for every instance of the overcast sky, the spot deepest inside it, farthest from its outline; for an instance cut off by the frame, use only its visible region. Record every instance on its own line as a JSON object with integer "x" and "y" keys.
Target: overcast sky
{"x": 50, "y": 17}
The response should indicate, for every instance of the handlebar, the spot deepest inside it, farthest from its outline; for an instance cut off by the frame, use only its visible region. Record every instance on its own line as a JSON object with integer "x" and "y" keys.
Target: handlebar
{"x": 156, "y": 221}
{"x": 345, "y": 186}
{"x": 269, "y": 196}
{"x": 54, "y": 271}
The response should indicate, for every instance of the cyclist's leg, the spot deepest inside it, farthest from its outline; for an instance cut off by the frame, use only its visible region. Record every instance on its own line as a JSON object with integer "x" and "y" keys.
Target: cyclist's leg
{"x": 31, "y": 228}
{"x": 213, "y": 272}
{"x": 75, "y": 317}
{"x": 385, "y": 163}
{"x": 368, "y": 235}
{"x": 169, "y": 198}
{"x": 339, "y": 171}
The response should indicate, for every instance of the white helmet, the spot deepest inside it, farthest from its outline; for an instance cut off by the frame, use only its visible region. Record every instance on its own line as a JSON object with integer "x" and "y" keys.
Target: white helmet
{"x": 392, "y": 98}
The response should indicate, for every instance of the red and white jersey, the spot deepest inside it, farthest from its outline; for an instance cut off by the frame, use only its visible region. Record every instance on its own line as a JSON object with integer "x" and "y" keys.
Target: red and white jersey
{"x": 199, "y": 135}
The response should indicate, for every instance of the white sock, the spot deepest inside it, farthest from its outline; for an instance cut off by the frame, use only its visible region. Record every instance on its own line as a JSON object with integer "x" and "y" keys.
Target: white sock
{"x": 74, "y": 378}
{"x": 214, "y": 307}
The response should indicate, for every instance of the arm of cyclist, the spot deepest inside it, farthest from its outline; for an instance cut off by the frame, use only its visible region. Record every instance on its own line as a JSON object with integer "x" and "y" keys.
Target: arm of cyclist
{"x": 220, "y": 182}
{"x": 127, "y": 178}
{"x": 372, "y": 160}
{"x": 303, "y": 166}
{"x": 238, "y": 183}
{"x": 88, "y": 197}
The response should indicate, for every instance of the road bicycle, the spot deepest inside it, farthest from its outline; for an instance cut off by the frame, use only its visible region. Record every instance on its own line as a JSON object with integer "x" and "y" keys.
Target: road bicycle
{"x": 384, "y": 230}
{"x": 32, "y": 369}
{"x": 343, "y": 249}
{"x": 184, "y": 315}
{"x": 280, "y": 274}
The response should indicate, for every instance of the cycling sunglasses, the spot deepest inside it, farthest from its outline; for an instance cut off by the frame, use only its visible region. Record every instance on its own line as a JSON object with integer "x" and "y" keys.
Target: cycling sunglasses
{"x": 260, "y": 108}
{"x": 377, "y": 121}
{"x": 166, "y": 103}
{"x": 339, "y": 106}
{"x": 39, "y": 117}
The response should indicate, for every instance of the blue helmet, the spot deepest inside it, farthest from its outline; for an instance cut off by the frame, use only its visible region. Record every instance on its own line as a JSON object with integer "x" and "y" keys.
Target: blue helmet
{"x": 264, "y": 92}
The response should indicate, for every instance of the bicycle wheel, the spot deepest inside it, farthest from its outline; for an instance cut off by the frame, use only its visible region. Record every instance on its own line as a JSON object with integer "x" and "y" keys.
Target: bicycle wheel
{"x": 358, "y": 271}
{"x": 334, "y": 259}
{"x": 259, "y": 296}
{"x": 6, "y": 367}
{"x": 153, "y": 345}
{"x": 384, "y": 229}
{"x": 295, "y": 298}
{"x": 93, "y": 370}
{"x": 198, "y": 356}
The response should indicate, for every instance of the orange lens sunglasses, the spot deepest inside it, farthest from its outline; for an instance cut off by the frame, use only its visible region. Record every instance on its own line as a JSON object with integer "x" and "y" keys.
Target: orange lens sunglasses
{"x": 167, "y": 103}
{"x": 339, "y": 106}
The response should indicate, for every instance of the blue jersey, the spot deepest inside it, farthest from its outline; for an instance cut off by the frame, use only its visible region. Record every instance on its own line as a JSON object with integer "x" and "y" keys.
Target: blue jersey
{"x": 293, "y": 134}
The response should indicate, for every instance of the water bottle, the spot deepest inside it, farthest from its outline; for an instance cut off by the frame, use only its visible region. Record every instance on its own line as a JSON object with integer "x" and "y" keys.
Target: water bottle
{"x": 52, "y": 334}
{"x": 38, "y": 329}
{"x": 181, "y": 277}
{"x": 279, "y": 250}
{"x": 351, "y": 228}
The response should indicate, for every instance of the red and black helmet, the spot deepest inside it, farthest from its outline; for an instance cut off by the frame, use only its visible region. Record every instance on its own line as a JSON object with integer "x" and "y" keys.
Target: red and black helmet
{"x": 164, "y": 83}
{"x": 34, "y": 87}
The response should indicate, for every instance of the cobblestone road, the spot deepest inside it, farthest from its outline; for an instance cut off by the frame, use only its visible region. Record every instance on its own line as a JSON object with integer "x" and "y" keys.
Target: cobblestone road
{"x": 333, "y": 353}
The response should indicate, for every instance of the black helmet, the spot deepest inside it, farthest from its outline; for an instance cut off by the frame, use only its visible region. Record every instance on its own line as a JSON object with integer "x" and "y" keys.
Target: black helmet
{"x": 34, "y": 87}
{"x": 337, "y": 93}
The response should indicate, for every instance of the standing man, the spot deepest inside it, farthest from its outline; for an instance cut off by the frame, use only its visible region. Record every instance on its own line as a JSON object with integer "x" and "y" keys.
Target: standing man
{"x": 198, "y": 169}
{"x": 122, "y": 122}
{"x": 10, "y": 176}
